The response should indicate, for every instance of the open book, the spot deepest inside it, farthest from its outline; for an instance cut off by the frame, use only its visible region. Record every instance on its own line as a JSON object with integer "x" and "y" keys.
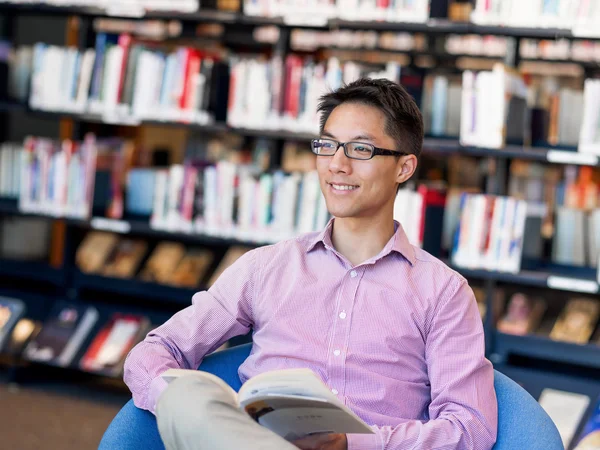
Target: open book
{"x": 293, "y": 403}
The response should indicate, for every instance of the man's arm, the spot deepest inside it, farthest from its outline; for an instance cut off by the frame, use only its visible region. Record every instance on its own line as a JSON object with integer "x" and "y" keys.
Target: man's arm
{"x": 216, "y": 315}
{"x": 463, "y": 410}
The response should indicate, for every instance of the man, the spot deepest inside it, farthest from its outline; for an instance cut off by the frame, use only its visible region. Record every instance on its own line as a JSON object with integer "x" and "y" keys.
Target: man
{"x": 392, "y": 331}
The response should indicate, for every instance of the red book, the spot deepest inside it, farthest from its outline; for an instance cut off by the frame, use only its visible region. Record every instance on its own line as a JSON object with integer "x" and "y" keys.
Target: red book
{"x": 190, "y": 85}
{"x": 125, "y": 44}
{"x": 107, "y": 351}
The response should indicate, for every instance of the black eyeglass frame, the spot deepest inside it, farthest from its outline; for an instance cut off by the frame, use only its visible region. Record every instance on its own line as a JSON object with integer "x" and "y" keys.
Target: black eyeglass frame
{"x": 376, "y": 150}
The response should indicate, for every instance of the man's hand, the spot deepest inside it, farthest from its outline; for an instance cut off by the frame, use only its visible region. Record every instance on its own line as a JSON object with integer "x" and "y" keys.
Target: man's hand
{"x": 323, "y": 442}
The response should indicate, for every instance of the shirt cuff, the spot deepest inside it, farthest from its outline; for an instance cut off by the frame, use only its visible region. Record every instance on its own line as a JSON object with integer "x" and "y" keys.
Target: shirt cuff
{"x": 364, "y": 442}
{"x": 157, "y": 387}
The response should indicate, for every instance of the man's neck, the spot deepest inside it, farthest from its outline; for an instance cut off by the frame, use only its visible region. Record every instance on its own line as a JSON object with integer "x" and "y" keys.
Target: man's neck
{"x": 359, "y": 240}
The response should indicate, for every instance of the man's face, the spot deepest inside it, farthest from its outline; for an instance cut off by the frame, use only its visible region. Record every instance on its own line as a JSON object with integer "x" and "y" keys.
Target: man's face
{"x": 354, "y": 188}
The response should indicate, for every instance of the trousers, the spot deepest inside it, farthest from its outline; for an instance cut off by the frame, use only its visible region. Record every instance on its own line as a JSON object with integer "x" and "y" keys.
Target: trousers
{"x": 198, "y": 414}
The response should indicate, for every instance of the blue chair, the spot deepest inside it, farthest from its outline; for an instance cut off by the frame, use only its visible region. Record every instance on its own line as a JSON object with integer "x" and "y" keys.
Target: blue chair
{"x": 522, "y": 423}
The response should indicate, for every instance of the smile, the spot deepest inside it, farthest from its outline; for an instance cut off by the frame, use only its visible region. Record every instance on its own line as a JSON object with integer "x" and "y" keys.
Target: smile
{"x": 343, "y": 187}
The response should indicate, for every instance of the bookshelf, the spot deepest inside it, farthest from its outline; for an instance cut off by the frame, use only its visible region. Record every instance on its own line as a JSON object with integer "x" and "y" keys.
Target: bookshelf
{"x": 434, "y": 146}
{"x": 160, "y": 301}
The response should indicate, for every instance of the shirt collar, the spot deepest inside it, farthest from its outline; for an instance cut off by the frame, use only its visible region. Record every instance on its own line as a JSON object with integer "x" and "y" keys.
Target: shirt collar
{"x": 399, "y": 242}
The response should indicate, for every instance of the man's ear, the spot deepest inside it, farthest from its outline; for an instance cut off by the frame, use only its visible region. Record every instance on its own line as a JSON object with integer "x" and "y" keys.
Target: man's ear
{"x": 407, "y": 165}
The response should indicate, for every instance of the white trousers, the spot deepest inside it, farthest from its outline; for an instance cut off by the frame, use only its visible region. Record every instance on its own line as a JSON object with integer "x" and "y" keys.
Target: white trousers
{"x": 197, "y": 414}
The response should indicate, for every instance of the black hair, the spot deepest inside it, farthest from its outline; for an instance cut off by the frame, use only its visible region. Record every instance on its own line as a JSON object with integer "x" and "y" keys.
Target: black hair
{"x": 404, "y": 122}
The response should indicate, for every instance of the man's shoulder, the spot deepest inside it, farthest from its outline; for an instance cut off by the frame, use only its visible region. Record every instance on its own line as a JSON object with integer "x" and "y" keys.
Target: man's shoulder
{"x": 426, "y": 261}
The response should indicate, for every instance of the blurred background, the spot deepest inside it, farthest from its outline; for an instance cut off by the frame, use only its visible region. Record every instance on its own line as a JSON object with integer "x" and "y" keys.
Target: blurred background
{"x": 146, "y": 145}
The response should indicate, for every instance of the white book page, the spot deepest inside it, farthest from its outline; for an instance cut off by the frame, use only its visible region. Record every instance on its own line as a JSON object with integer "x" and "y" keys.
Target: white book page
{"x": 566, "y": 409}
{"x": 172, "y": 374}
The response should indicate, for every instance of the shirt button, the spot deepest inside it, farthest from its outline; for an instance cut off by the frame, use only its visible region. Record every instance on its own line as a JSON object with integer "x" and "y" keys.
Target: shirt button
{"x": 353, "y": 274}
{"x": 336, "y": 352}
{"x": 335, "y": 391}
{"x": 342, "y": 315}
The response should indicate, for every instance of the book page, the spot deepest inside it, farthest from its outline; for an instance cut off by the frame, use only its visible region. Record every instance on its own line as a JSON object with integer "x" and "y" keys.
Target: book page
{"x": 295, "y": 382}
{"x": 295, "y": 403}
{"x": 566, "y": 409}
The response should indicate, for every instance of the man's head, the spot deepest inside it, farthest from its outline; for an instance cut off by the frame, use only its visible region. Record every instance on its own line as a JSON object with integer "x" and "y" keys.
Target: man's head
{"x": 376, "y": 112}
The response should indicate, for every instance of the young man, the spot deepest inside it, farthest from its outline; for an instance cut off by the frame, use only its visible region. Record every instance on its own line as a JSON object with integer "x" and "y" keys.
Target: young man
{"x": 391, "y": 330}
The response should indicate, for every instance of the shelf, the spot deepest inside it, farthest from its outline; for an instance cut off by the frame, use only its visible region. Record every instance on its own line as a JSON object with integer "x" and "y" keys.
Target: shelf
{"x": 135, "y": 288}
{"x": 140, "y": 227}
{"x": 545, "y": 348}
{"x": 431, "y": 26}
{"x": 431, "y": 145}
{"x": 32, "y": 270}
{"x": 565, "y": 280}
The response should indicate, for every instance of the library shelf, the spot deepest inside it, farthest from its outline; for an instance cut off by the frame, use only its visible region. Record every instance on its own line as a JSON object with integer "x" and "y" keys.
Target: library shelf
{"x": 572, "y": 280}
{"x": 430, "y": 26}
{"x": 32, "y": 270}
{"x": 431, "y": 145}
{"x": 143, "y": 228}
{"x": 542, "y": 347}
{"x": 134, "y": 288}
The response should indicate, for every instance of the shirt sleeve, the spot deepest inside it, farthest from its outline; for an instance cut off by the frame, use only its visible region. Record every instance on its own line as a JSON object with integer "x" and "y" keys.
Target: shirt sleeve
{"x": 216, "y": 315}
{"x": 463, "y": 411}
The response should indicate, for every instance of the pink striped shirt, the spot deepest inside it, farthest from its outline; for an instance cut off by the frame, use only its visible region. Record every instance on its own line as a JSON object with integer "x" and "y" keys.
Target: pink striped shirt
{"x": 397, "y": 338}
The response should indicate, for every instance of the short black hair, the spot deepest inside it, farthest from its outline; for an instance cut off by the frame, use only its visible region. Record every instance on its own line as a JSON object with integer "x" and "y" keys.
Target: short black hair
{"x": 404, "y": 122}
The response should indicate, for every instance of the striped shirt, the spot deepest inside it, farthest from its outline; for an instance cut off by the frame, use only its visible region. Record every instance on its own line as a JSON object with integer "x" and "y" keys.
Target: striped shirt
{"x": 397, "y": 338}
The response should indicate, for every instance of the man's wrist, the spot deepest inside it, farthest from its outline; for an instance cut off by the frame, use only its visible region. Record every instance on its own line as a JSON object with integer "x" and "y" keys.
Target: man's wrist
{"x": 362, "y": 442}
{"x": 157, "y": 386}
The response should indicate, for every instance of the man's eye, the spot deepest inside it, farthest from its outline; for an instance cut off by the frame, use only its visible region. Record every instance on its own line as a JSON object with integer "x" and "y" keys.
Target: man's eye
{"x": 362, "y": 149}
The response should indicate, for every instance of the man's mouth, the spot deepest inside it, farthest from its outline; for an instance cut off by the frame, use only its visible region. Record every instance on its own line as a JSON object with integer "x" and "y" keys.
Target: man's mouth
{"x": 343, "y": 187}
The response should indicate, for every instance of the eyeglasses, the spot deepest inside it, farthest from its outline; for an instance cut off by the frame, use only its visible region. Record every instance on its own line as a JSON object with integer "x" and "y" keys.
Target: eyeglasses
{"x": 353, "y": 150}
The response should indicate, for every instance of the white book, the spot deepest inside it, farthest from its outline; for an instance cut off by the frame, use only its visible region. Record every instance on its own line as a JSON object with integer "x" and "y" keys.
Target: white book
{"x": 85, "y": 79}
{"x": 226, "y": 174}
{"x": 310, "y": 196}
{"x": 158, "y": 219}
{"x": 174, "y": 192}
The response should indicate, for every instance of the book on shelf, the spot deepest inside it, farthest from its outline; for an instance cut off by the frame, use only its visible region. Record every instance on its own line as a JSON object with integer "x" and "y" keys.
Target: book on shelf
{"x": 494, "y": 108}
{"x": 11, "y": 311}
{"x": 57, "y": 179}
{"x": 577, "y": 15}
{"x": 293, "y": 403}
{"x": 95, "y": 249}
{"x": 125, "y": 259}
{"x": 162, "y": 262}
{"x": 62, "y": 334}
{"x": 106, "y": 353}
{"x": 25, "y": 238}
{"x": 11, "y": 155}
{"x": 125, "y": 79}
{"x": 192, "y": 268}
{"x": 24, "y": 331}
{"x": 490, "y": 233}
{"x": 577, "y": 321}
{"x": 523, "y": 315}
{"x": 131, "y": 8}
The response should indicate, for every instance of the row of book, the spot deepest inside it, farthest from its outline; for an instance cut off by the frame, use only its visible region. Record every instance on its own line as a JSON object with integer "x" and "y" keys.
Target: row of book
{"x": 578, "y": 15}
{"x": 283, "y": 93}
{"x": 67, "y": 331}
{"x": 576, "y": 322}
{"x": 126, "y": 79}
{"x": 310, "y": 40}
{"x": 318, "y": 12}
{"x": 496, "y": 110}
{"x": 116, "y": 7}
{"x": 168, "y": 263}
{"x": 55, "y": 179}
{"x": 231, "y": 200}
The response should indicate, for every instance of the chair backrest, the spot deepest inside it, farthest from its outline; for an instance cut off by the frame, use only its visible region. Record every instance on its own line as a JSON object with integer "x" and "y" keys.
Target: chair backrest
{"x": 522, "y": 423}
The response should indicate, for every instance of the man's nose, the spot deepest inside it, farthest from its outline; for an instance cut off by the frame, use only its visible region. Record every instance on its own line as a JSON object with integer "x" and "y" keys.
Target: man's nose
{"x": 339, "y": 161}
